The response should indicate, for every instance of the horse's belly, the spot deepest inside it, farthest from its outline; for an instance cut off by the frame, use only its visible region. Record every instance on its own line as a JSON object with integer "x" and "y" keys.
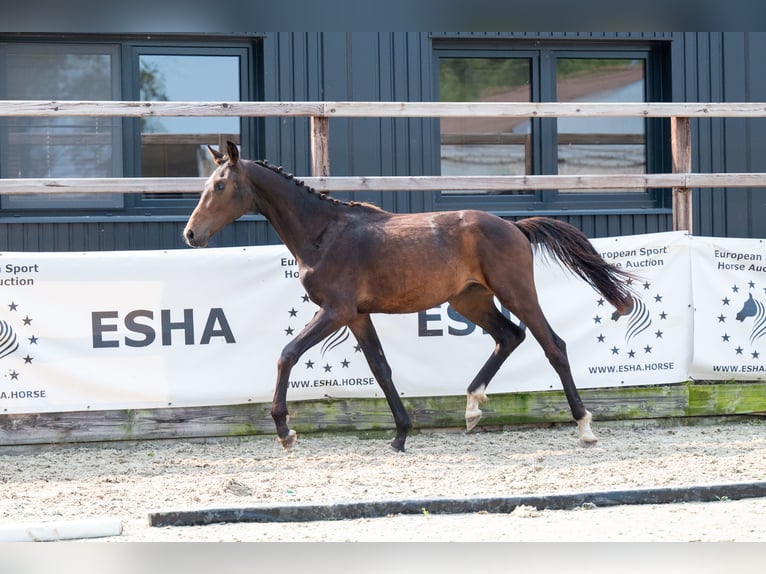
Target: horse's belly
{"x": 399, "y": 305}
{"x": 406, "y": 297}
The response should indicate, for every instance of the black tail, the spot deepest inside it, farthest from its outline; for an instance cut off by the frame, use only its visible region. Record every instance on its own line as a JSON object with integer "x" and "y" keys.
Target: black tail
{"x": 571, "y": 247}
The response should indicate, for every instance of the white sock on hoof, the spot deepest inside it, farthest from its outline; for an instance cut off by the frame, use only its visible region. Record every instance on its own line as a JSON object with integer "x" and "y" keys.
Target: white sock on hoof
{"x": 472, "y": 411}
{"x": 289, "y": 441}
{"x": 586, "y": 434}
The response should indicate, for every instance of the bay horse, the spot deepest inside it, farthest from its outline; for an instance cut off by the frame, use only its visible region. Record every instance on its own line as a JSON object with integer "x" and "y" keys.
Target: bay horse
{"x": 356, "y": 259}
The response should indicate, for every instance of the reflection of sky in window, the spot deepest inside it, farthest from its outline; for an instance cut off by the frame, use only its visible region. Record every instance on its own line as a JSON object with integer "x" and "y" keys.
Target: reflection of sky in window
{"x": 196, "y": 79}
{"x": 630, "y": 93}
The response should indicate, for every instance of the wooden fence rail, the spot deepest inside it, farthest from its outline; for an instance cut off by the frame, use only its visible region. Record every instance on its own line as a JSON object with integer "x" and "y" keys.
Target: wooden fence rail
{"x": 395, "y": 183}
{"x": 46, "y": 108}
{"x": 682, "y": 181}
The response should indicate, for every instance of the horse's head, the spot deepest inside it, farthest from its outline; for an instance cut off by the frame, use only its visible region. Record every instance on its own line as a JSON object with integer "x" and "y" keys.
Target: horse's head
{"x": 749, "y": 309}
{"x": 225, "y": 198}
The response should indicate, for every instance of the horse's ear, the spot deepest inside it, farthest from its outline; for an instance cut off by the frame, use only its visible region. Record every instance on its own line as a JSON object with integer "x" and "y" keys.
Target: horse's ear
{"x": 217, "y": 156}
{"x": 232, "y": 151}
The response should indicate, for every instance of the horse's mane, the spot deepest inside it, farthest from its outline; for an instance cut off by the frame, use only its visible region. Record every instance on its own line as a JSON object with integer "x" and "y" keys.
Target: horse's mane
{"x": 308, "y": 189}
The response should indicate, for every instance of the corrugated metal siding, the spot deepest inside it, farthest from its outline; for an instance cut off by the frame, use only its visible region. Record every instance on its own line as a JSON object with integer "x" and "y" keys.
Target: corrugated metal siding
{"x": 123, "y": 235}
{"x": 392, "y": 66}
{"x": 724, "y": 67}
{"x": 616, "y": 225}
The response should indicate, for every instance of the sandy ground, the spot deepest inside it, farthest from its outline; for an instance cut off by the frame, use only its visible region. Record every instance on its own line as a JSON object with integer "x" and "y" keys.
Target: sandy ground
{"x": 128, "y": 481}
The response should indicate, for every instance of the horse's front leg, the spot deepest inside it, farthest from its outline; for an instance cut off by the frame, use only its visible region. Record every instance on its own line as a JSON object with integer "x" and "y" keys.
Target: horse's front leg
{"x": 321, "y": 326}
{"x": 365, "y": 334}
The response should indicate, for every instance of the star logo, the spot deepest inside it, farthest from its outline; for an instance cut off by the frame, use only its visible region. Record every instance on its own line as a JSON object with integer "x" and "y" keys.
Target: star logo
{"x": 634, "y": 333}
{"x": 18, "y": 342}
{"x": 334, "y": 354}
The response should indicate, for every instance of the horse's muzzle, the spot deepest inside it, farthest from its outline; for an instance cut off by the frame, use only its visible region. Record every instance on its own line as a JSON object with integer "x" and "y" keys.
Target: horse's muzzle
{"x": 192, "y": 240}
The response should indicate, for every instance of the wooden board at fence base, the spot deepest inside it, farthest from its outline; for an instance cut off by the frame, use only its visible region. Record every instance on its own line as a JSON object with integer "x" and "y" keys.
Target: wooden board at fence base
{"x": 350, "y": 415}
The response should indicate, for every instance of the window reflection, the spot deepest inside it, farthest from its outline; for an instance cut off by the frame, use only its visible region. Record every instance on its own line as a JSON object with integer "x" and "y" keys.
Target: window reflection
{"x": 177, "y": 146}
{"x": 601, "y": 145}
{"x": 485, "y": 146}
{"x": 53, "y": 147}
{"x": 567, "y": 146}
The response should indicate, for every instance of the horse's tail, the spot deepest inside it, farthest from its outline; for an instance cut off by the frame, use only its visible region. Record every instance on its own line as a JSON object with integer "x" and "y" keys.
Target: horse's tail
{"x": 570, "y": 247}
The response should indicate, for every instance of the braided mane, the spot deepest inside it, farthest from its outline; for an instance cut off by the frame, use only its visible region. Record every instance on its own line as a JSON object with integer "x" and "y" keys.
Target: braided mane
{"x": 308, "y": 189}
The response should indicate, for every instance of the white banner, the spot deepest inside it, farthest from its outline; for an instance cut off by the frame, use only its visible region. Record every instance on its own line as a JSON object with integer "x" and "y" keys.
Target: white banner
{"x": 650, "y": 345}
{"x": 95, "y": 331}
{"x": 730, "y": 319}
{"x": 128, "y": 330}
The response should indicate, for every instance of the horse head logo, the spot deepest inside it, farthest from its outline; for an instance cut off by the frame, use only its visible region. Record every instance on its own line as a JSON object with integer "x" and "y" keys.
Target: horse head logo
{"x": 749, "y": 309}
{"x": 638, "y": 316}
{"x": 754, "y": 308}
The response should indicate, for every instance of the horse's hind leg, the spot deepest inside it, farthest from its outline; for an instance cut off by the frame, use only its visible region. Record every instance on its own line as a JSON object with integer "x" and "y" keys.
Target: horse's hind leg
{"x": 365, "y": 334}
{"x": 522, "y": 301}
{"x": 477, "y": 304}
{"x": 555, "y": 350}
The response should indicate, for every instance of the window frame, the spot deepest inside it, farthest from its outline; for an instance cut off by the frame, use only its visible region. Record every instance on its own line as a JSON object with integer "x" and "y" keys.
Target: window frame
{"x": 544, "y": 130}
{"x": 132, "y": 126}
{"x": 127, "y": 50}
{"x": 39, "y": 205}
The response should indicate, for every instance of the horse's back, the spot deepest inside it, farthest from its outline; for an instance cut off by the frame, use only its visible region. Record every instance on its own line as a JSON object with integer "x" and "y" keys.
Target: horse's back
{"x": 398, "y": 263}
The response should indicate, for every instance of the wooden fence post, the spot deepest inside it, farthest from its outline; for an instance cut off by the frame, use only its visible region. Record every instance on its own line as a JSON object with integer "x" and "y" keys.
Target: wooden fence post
{"x": 320, "y": 146}
{"x": 681, "y": 149}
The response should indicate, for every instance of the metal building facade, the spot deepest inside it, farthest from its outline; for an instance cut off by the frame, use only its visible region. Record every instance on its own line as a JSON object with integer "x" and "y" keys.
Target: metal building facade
{"x": 399, "y": 66}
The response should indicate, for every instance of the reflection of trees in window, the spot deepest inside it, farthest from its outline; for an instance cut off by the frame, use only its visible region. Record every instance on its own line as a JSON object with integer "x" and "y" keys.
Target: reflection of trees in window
{"x": 568, "y": 66}
{"x": 151, "y": 87}
{"x": 485, "y": 146}
{"x": 480, "y": 79}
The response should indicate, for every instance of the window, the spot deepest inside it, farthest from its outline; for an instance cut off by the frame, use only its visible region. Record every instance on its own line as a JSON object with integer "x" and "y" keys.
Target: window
{"x": 177, "y": 146}
{"x": 517, "y": 146}
{"x": 117, "y": 147}
{"x": 600, "y": 145}
{"x": 485, "y": 146}
{"x": 60, "y": 146}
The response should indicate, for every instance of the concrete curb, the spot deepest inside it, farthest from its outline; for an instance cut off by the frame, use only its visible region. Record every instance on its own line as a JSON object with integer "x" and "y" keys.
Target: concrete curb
{"x": 375, "y": 509}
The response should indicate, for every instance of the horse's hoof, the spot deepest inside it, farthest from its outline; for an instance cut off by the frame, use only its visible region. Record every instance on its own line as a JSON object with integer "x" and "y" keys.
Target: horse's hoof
{"x": 471, "y": 420}
{"x": 586, "y": 434}
{"x": 289, "y": 441}
{"x": 472, "y": 411}
{"x": 397, "y": 445}
{"x": 588, "y": 440}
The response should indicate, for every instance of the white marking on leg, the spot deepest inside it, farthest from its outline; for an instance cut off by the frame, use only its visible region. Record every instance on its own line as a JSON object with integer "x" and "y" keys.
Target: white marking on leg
{"x": 289, "y": 441}
{"x": 586, "y": 434}
{"x": 472, "y": 411}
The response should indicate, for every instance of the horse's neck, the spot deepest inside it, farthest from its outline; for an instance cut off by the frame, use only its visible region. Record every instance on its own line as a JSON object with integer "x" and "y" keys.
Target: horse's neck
{"x": 298, "y": 216}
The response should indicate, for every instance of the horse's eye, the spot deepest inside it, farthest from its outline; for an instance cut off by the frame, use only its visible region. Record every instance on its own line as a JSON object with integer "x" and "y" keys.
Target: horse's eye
{"x": 220, "y": 185}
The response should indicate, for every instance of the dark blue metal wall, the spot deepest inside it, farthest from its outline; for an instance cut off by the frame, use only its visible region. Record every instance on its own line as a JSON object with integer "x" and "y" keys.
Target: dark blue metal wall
{"x": 724, "y": 67}
{"x": 398, "y": 66}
